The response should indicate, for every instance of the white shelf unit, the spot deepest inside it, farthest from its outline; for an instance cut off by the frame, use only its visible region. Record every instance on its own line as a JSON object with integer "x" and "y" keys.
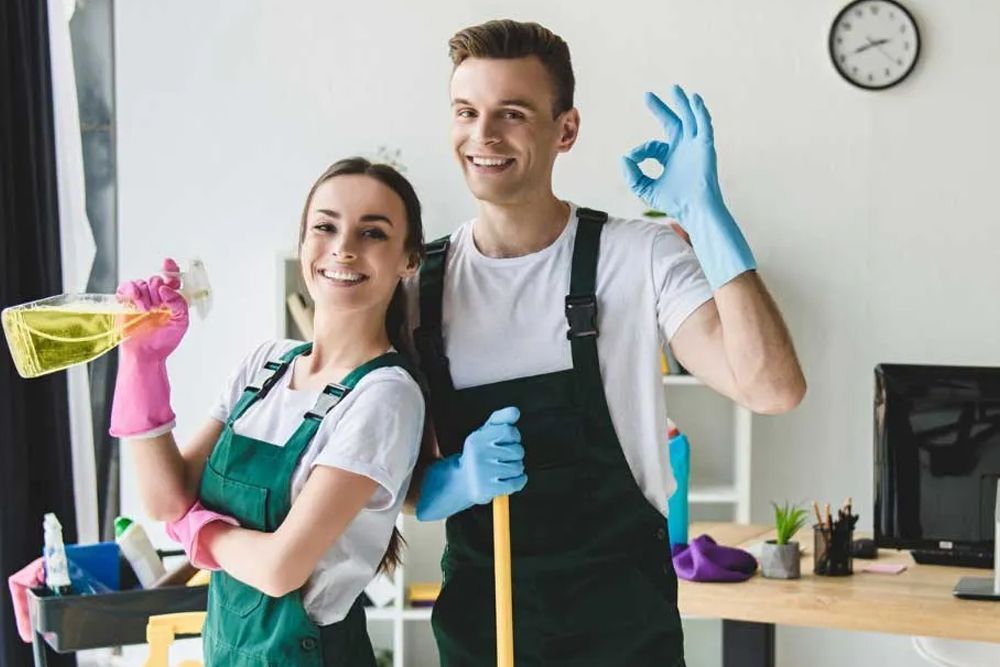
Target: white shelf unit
{"x": 397, "y": 613}
{"x": 737, "y": 493}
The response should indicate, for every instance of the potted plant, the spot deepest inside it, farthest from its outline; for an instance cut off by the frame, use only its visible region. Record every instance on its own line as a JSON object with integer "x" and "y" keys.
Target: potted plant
{"x": 779, "y": 558}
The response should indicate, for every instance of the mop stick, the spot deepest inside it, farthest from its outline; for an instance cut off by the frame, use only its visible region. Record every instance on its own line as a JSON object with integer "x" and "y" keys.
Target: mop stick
{"x": 501, "y": 573}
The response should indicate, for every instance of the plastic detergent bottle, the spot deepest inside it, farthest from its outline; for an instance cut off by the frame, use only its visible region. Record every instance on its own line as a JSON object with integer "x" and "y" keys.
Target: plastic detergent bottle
{"x": 139, "y": 551}
{"x": 677, "y": 505}
{"x": 54, "y": 553}
{"x": 51, "y": 334}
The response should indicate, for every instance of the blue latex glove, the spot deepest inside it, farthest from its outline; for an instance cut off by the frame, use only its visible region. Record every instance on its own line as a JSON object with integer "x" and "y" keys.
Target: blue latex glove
{"x": 688, "y": 189}
{"x": 491, "y": 464}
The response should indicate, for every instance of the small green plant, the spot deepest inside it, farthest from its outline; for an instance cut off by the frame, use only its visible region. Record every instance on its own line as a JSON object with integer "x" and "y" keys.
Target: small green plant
{"x": 383, "y": 658}
{"x": 788, "y": 519}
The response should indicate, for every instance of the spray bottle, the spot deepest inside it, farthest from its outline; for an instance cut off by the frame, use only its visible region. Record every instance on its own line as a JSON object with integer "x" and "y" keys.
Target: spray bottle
{"x": 60, "y": 331}
{"x": 54, "y": 553}
{"x": 677, "y": 505}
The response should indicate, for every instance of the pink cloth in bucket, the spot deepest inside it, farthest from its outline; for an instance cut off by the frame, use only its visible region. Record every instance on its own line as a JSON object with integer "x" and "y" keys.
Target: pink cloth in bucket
{"x": 30, "y": 576}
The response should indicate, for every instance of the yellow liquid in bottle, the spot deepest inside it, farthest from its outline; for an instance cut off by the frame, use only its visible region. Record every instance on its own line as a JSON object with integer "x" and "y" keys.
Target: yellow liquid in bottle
{"x": 48, "y": 338}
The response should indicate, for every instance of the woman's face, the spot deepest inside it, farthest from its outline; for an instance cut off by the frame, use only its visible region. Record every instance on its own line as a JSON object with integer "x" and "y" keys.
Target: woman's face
{"x": 353, "y": 253}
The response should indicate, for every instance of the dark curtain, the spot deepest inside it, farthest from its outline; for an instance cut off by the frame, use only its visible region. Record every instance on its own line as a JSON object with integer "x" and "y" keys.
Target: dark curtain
{"x": 35, "y": 458}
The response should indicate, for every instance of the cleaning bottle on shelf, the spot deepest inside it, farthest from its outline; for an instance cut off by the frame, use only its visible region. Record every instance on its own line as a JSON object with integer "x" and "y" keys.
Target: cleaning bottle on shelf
{"x": 57, "y": 332}
{"x": 677, "y": 505}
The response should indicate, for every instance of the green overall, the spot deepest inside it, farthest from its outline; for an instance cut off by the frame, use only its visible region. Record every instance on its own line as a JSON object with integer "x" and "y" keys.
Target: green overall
{"x": 251, "y": 480}
{"x": 593, "y": 581}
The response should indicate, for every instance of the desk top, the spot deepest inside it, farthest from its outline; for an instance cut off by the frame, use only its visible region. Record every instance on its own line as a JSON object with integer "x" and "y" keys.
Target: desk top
{"x": 916, "y": 602}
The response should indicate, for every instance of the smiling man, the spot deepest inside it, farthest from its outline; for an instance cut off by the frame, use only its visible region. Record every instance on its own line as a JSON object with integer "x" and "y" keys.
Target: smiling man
{"x": 540, "y": 325}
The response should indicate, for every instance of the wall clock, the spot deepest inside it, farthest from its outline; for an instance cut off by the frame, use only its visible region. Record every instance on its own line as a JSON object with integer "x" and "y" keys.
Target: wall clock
{"x": 874, "y": 44}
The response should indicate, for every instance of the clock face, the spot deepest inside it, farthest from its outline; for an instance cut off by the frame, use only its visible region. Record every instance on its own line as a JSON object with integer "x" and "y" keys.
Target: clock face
{"x": 874, "y": 44}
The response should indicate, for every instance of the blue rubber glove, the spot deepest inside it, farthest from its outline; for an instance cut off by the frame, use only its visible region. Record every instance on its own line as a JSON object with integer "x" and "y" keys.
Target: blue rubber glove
{"x": 688, "y": 189}
{"x": 491, "y": 464}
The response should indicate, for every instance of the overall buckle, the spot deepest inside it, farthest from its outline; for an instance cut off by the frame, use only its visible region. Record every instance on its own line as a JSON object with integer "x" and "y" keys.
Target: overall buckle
{"x": 265, "y": 378}
{"x": 332, "y": 395}
{"x": 581, "y": 314}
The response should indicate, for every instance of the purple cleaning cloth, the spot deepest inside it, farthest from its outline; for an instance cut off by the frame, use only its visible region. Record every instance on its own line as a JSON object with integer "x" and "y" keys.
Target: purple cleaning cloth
{"x": 704, "y": 560}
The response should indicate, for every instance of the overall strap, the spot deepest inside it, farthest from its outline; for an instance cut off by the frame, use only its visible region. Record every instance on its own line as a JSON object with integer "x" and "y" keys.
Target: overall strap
{"x": 432, "y": 282}
{"x": 581, "y": 302}
{"x": 428, "y": 338}
{"x": 265, "y": 378}
{"x": 333, "y": 394}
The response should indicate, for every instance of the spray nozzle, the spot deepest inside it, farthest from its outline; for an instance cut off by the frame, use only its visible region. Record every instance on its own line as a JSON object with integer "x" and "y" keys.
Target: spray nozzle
{"x": 195, "y": 287}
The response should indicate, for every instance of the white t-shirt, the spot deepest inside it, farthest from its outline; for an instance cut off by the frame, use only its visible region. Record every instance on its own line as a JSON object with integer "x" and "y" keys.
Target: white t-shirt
{"x": 374, "y": 431}
{"x": 504, "y": 318}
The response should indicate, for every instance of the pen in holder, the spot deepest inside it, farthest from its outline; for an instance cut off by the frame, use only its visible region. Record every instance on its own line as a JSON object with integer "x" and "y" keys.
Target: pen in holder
{"x": 832, "y": 543}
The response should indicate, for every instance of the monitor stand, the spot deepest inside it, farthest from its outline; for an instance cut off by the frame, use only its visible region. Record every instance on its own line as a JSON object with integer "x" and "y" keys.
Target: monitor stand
{"x": 984, "y": 588}
{"x": 978, "y": 588}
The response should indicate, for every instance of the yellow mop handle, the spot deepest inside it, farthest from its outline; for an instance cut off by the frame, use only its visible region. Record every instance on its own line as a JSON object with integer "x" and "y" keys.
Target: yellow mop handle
{"x": 501, "y": 572}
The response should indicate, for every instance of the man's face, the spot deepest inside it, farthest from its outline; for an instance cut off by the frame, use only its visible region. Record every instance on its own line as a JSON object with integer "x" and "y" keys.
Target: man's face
{"x": 502, "y": 129}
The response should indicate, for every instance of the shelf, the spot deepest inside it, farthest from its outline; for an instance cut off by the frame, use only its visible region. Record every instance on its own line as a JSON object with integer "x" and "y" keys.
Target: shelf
{"x": 381, "y": 613}
{"x": 392, "y": 613}
{"x": 417, "y": 614}
{"x": 682, "y": 380}
{"x": 713, "y": 495}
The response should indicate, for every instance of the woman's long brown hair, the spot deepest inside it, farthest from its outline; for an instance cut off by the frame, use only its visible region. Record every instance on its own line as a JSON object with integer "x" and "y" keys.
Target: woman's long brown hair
{"x": 396, "y": 325}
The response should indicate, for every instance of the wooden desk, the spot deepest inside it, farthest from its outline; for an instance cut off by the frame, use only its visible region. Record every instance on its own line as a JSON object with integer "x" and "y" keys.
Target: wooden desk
{"x": 916, "y": 602}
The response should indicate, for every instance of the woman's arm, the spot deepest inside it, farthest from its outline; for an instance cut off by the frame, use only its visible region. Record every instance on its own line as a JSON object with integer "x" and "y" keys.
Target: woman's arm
{"x": 168, "y": 477}
{"x": 280, "y": 562}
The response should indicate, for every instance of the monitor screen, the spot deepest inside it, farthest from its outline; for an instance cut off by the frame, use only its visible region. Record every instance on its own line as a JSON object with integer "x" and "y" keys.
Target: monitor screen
{"x": 937, "y": 456}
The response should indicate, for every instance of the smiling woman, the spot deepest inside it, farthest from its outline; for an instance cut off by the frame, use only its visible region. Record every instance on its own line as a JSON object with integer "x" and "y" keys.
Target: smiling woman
{"x": 308, "y": 453}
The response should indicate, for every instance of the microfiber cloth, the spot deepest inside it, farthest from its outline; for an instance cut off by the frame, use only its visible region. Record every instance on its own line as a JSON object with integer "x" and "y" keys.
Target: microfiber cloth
{"x": 704, "y": 560}
{"x": 30, "y": 576}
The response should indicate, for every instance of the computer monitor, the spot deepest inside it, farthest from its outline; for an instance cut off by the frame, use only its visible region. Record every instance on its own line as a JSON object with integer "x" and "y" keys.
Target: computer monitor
{"x": 937, "y": 461}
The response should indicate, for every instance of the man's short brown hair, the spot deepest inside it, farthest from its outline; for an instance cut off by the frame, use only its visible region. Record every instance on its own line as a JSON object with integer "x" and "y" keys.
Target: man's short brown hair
{"x": 512, "y": 39}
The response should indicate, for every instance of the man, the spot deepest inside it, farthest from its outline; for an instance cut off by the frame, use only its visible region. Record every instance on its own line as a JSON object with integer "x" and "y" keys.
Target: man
{"x": 545, "y": 320}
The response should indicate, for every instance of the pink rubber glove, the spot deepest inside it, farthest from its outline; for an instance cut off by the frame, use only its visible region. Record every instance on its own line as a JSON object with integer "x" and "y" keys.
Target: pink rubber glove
{"x": 141, "y": 405}
{"x": 30, "y": 576}
{"x": 187, "y": 529}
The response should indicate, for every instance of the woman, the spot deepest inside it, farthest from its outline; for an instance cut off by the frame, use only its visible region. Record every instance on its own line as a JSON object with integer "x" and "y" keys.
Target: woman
{"x": 291, "y": 489}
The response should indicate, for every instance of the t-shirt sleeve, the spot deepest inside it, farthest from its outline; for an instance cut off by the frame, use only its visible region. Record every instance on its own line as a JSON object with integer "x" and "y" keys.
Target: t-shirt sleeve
{"x": 238, "y": 380}
{"x": 679, "y": 282}
{"x": 378, "y": 435}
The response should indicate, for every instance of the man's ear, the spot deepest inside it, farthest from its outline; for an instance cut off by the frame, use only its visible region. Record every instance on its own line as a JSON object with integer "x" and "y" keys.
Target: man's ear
{"x": 569, "y": 129}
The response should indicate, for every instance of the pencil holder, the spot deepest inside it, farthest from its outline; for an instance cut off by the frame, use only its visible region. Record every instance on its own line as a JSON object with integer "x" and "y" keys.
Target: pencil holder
{"x": 832, "y": 551}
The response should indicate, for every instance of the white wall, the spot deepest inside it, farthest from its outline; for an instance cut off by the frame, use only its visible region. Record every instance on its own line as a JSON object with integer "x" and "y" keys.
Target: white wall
{"x": 870, "y": 213}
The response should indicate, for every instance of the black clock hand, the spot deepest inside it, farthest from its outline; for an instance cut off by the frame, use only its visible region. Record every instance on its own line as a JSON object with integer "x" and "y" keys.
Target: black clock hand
{"x": 885, "y": 53}
{"x": 870, "y": 44}
{"x": 877, "y": 43}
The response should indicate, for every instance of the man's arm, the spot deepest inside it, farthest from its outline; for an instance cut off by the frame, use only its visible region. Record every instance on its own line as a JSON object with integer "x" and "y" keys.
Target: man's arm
{"x": 738, "y": 344}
